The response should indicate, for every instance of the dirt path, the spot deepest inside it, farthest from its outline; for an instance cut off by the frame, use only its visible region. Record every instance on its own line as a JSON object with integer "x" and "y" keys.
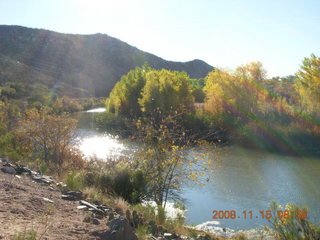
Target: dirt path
{"x": 23, "y": 208}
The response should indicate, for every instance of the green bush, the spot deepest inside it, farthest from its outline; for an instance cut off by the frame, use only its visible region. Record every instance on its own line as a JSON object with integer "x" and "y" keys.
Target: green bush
{"x": 108, "y": 121}
{"x": 161, "y": 216}
{"x": 142, "y": 232}
{"x": 75, "y": 181}
{"x": 122, "y": 181}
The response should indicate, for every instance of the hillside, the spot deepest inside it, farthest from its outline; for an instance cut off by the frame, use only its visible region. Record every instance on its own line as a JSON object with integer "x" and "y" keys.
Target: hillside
{"x": 91, "y": 62}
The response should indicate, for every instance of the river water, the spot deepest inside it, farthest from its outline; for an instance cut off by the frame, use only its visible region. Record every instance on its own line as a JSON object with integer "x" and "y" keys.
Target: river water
{"x": 243, "y": 180}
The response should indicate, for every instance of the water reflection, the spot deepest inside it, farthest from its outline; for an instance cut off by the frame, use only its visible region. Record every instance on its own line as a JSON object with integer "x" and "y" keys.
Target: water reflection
{"x": 102, "y": 147}
{"x": 248, "y": 180}
{"x": 241, "y": 180}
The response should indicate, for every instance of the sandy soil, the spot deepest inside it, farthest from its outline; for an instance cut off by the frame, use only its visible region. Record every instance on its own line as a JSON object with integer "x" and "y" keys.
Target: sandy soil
{"x": 23, "y": 208}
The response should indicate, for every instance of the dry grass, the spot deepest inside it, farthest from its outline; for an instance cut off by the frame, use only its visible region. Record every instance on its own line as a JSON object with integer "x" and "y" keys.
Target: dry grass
{"x": 121, "y": 205}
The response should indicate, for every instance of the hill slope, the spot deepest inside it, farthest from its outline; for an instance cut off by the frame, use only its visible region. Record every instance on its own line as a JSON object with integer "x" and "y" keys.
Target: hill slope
{"x": 91, "y": 62}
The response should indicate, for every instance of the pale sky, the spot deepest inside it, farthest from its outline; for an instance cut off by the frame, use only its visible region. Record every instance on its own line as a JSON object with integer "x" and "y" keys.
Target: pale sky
{"x": 224, "y": 33}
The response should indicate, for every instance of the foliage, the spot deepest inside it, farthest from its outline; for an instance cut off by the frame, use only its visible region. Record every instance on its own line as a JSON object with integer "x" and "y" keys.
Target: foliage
{"x": 294, "y": 224}
{"x": 66, "y": 105}
{"x": 49, "y": 136}
{"x": 75, "y": 181}
{"x": 227, "y": 93}
{"x": 120, "y": 180}
{"x": 161, "y": 214}
{"x": 142, "y": 232}
{"x": 162, "y": 158}
{"x": 308, "y": 83}
{"x": 168, "y": 92}
{"x": 143, "y": 90}
{"x": 111, "y": 123}
{"x": 123, "y": 99}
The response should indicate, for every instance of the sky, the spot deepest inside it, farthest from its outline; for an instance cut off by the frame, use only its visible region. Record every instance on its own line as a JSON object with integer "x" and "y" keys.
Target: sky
{"x": 224, "y": 33}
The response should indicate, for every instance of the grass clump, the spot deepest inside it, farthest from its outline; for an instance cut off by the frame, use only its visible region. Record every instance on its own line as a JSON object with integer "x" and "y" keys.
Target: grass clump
{"x": 142, "y": 232}
{"x": 75, "y": 181}
{"x": 26, "y": 235}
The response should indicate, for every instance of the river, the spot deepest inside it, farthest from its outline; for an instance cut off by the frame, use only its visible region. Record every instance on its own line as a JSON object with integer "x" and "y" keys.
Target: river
{"x": 244, "y": 180}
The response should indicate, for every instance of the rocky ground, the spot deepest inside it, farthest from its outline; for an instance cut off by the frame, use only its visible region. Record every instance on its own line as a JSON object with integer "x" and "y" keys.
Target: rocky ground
{"x": 34, "y": 203}
{"x": 30, "y": 202}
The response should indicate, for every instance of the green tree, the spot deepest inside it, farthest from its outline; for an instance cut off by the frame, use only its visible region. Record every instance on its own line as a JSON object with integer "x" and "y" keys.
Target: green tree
{"x": 167, "y": 92}
{"x": 123, "y": 99}
{"x": 308, "y": 84}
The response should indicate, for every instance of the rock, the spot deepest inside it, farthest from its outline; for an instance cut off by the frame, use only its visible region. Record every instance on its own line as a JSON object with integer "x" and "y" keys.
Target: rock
{"x": 68, "y": 198}
{"x": 170, "y": 236}
{"x": 47, "y": 200}
{"x": 201, "y": 237}
{"x": 93, "y": 208}
{"x": 91, "y": 219}
{"x": 121, "y": 230}
{"x": 89, "y": 205}
{"x": 8, "y": 170}
{"x": 72, "y": 195}
{"x": 82, "y": 207}
{"x": 53, "y": 189}
{"x": 87, "y": 219}
{"x": 34, "y": 173}
{"x": 183, "y": 237}
{"x": 20, "y": 169}
{"x": 43, "y": 179}
{"x": 95, "y": 221}
{"x": 8, "y": 164}
{"x": 111, "y": 216}
{"x": 61, "y": 185}
{"x": 104, "y": 208}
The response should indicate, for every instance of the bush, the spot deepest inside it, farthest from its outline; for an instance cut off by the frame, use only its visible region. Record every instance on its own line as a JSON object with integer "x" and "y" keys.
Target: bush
{"x": 142, "y": 232}
{"x": 295, "y": 226}
{"x": 122, "y": 181}
{"x": 75, "y": 181}
{"x": 111, "y": 123}
{"x": 161, "y": 216}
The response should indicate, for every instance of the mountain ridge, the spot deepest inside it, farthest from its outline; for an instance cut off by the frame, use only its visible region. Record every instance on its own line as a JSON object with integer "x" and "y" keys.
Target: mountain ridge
{"x": 93, "y": 62}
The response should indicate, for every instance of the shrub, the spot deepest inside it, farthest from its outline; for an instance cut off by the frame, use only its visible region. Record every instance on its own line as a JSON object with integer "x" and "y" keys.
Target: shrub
{"x": 142, "y": 232}
{"x": 124, "y": 182}
{"x": 75, "y": 181}
{"x": 295, "y": 226}
{"x": 161, "y": 216}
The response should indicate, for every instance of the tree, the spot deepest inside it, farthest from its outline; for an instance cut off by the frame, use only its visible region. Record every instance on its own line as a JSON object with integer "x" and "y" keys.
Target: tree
{"x": 164, "y": 159}
{"x": 66, "y": 105}
{"x": 167, "y": 92}
{"x": 308, "y": 84}
{"x": 50, "y": 136}
{"x": 123, "y": 99}
{"x": 238, "y": 94}
{"x": 144, "y": 90}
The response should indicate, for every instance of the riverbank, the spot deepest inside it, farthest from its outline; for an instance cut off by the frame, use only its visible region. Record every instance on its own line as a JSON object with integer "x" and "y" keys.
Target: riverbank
{"x": 35, "y": 206}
